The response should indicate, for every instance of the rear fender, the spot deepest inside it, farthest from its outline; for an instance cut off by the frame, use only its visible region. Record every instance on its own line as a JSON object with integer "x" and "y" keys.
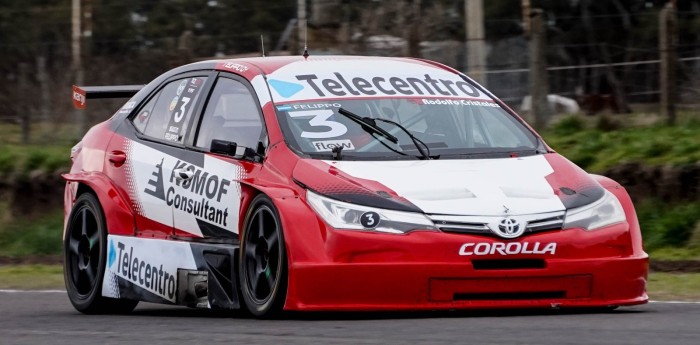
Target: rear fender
{"x": 118, "y": 211}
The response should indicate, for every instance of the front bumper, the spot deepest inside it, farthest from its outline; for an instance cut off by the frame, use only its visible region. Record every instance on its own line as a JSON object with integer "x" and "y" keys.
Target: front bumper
{"x": 423, "y": 271}
{"x": 432, "y": 286}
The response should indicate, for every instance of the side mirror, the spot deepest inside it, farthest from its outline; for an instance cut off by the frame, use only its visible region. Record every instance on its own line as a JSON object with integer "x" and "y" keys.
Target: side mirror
{"x": 223, "y": 147}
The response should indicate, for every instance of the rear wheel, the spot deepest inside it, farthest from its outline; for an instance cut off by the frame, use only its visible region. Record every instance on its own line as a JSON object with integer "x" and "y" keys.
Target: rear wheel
{"x": 85, "y": 247}
{"x": 263, "y": 260}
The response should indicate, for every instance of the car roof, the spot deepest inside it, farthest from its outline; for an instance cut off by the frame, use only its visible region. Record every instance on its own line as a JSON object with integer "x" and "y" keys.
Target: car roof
{"x": 270, "y": 64}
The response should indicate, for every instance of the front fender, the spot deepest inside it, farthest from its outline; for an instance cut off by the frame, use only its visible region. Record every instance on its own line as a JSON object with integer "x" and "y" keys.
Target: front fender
{"x": 624, "y": 198}
{"x": 117, "y": 209}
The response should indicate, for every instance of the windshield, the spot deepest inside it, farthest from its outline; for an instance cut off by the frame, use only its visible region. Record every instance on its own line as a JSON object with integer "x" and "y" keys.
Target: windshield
{"x": 450, "y": 128}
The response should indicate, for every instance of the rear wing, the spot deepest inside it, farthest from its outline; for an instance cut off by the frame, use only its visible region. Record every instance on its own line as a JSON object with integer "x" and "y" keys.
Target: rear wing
{"x": 83, "y": 93}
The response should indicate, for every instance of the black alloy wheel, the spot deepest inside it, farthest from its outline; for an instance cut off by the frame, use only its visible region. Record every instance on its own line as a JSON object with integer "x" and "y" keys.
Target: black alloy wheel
{"x": 85, "y": 250}
{"x": 263, "y": 261}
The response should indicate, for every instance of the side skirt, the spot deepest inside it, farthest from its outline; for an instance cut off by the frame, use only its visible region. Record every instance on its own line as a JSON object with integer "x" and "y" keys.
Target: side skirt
{"x": 171, "y": 272}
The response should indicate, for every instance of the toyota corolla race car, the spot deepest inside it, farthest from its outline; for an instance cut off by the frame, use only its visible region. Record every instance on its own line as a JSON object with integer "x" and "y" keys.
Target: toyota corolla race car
{"x": 336, "y": 183}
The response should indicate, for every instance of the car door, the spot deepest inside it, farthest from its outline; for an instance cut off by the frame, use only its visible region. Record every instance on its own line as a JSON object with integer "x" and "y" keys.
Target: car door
{"x": 156, "y": 152}
{"x": 231, "y": 114}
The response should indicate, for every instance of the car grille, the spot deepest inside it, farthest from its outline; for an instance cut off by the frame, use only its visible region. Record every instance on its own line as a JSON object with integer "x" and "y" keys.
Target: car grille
{"x": 476, "y": 225}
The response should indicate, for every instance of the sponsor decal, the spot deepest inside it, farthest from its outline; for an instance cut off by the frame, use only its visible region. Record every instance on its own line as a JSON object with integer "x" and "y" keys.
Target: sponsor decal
{"x": 235, "y": 67}
{"x": 143, "y": 116}
{"x": 284, "y": 88}
{"x": 180, "y": 88}
{"x": 127, "y": 107}
{"x": 128, "y": 262}
{"x": 173, "y": 103}
{"x": 180, "y": 106}
{"x": 512, "y": 248}
{"x": 308, "y": 106}
{"x": 199, "y": 196}
{"x": 329, "y": 145}
{"x": 210, "y": 199}
{"x": 464, "y": 102}
{"x": 341, "y": 85}
{"x": 78, "y": 97}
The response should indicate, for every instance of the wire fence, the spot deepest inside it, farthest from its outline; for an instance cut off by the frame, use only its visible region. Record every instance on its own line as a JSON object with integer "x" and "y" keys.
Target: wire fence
{"x": 40, "y": 91}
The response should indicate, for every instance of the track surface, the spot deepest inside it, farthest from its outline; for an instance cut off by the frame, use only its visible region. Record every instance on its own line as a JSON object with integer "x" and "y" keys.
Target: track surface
{"x": 48, "y": 318}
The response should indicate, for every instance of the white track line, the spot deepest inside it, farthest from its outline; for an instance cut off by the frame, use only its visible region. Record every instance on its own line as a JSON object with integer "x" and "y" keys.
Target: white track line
{"x": 31, "y": 291}
{"x": 675, "y": 302}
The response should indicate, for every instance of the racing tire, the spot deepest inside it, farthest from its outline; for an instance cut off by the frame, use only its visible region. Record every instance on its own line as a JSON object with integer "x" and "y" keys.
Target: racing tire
{"x": 263, "y": 260}
{"x": 85, "y": 253}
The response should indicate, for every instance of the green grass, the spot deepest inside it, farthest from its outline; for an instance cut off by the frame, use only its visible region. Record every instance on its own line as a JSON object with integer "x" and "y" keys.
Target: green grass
{"x": 31, "y": 277}
{"x": 673, "y": 286}
{"x": 674, "y": 253}
{"x": 666, "y": 226}
{"x": 23, "y": 159}
{"x": 597, "y": 147}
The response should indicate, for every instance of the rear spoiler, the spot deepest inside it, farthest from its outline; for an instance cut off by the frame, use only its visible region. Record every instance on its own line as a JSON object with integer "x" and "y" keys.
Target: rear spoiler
{"x": 82, "y": 93}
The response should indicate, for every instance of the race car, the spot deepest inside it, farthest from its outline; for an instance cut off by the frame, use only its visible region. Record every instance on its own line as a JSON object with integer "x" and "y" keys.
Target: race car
{"x": 339, "y": 183}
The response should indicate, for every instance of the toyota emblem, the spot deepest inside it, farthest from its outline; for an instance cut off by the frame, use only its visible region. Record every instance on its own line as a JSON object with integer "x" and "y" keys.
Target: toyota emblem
{"x": 509, "y": 228}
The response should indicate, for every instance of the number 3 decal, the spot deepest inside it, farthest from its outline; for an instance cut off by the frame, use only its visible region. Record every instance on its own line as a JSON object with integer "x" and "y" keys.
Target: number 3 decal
{"x": 320, "y": 119}
{"x": 183, "y": 108}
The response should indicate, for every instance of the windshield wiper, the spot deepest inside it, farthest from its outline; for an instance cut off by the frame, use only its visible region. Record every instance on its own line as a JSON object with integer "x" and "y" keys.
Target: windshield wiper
{"x": 425, "y": 155}
{"x": 368, "y": 124}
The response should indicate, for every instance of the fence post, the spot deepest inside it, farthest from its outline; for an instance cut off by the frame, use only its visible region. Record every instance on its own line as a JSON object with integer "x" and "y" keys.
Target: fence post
{"x": 23, "y": 109}
{"x": 476, "y": 47}
{"x": 539, "y": 86}
{"x": 668, "y": 38}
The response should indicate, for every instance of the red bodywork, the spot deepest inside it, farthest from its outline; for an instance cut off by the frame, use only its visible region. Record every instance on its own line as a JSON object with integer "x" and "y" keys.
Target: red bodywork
{"x": 331, "y": 269}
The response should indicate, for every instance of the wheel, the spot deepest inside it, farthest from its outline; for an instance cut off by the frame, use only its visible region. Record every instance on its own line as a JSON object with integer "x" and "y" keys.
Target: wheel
{"x": 263, "y": 260}
{"x": 85, "y": 248}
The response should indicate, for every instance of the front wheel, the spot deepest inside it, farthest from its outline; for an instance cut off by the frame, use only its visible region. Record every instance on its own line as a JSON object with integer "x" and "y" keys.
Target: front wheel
{"x": 263, "y": 260}
{"x": 85, "y": 247}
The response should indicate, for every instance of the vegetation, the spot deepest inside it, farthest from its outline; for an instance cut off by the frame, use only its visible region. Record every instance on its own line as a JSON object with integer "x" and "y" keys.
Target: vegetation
{"x": 32, "y": 237}
{"x": 671, "y": 286}
{"x": 596, "y": 149}
{"x": 31, "y": 277}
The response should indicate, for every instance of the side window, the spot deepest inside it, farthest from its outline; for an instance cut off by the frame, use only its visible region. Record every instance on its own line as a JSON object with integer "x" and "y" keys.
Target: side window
{"x": 232, "y": 114}
{"x": 167, "y": 114}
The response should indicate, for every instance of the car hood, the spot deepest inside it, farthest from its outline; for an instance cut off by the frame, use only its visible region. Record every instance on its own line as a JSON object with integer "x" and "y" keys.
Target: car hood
{"x": 487, "y": 187}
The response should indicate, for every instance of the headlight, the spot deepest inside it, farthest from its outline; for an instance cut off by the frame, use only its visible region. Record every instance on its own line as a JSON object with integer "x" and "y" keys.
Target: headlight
{"x": 604, "y": 212}
{"x": 342, "y": 215}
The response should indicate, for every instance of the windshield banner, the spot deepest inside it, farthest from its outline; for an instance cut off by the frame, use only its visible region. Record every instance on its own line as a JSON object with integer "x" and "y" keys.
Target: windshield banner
{"x": 313, "y": 79}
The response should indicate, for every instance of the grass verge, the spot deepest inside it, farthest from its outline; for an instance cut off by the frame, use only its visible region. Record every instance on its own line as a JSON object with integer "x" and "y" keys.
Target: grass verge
{"x": 661, "y": 286}
{"x": 31, "y": 277}
{"x": 674, "y": 286}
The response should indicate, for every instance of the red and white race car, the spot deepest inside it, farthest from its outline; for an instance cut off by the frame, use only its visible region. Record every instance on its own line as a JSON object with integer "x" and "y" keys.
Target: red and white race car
{"x": 336, "y": 183}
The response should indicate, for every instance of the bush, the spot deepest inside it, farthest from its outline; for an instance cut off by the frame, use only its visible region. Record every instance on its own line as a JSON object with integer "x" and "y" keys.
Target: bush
{"x": 35, "y": 160}
{"x": 569, "y": 125}
{"x": 667, "y": 225}
{"x": 7, "y": 162}
{"x": 25, "y": 237}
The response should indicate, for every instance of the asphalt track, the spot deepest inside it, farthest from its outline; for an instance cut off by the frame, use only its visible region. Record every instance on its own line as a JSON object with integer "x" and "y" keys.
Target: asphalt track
{"x": 48, "y": 318}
